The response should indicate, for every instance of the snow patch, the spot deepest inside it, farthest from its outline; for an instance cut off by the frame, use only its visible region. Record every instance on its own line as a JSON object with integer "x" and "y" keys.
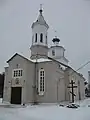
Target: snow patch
{"x": 40, "y": 60}
{"x": 46, "y": 112}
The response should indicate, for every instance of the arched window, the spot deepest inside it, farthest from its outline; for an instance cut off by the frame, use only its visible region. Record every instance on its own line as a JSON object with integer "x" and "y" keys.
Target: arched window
{"x": 53, "y": 52}
{"x": 41, "y": 37}
{"x": 46, "y": 39}
{"x": 41, "y": 81}
{"x": 36, "y": 37}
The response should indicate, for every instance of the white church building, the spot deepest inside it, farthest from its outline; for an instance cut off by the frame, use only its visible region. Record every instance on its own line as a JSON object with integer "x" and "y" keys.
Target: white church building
{"x": 44, "y": 77}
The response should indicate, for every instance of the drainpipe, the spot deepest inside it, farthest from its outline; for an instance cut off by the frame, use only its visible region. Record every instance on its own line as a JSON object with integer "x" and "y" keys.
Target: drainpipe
{"x": 34, "y": 86}
{"x": 35, "y": 83}
{"x": 57, "y": 91}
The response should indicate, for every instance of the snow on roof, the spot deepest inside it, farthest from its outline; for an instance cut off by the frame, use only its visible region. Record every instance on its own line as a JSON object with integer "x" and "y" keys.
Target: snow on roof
{"x": 41, "y": 60}
{"x": 32, "y": 60}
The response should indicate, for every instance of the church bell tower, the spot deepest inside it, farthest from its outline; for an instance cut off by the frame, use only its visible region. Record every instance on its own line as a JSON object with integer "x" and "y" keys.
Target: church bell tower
{"x": 39, "y": 37}
{"x": 57, "y": 52}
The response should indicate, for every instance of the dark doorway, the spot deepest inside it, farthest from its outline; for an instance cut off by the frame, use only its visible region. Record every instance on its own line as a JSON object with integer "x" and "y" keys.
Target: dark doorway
{"x": 16, "y": 93}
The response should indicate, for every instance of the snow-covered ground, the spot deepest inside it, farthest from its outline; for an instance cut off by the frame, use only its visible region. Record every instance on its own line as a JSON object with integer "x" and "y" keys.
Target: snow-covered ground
{"x": 45, "y": 112}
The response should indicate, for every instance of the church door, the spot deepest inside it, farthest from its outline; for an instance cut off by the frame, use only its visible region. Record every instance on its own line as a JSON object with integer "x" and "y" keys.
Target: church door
{"x": 16, "y": 94}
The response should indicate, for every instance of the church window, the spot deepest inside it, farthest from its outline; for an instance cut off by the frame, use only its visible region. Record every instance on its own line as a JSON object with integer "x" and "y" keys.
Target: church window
{"x": 46, "y": 39}
{"x": 41, "y": 82}
{"x": 36, "y": 37}
{"x": 21, "y": 72}
{"x": 41, "y": 37}
{"x": 17, "y": 73}
{"x": 14, "y": 73}
{"x": 53, "y": 52}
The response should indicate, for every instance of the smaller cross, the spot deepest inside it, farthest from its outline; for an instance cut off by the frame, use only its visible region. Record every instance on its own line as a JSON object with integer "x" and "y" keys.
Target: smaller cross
{"x": 40, "y": 6}
{"x": 55, "y": 33}
{"x": 40, "y": 9}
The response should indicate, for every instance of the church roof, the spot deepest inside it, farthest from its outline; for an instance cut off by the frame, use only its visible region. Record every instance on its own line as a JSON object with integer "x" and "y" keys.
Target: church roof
{"x": 75, "y": 71}
{"x": 63, "y": 58}
{"x": 45, "y": 60}
{"x": 41, "y": 60}
{"x": 58, "y": 46}
{"x": 18, "y": 55}
{"x": 48, "y": 59}
{"x": 30, "y": 60}
{"x": 59, "y": 62}
{"x": 40, "y": 20}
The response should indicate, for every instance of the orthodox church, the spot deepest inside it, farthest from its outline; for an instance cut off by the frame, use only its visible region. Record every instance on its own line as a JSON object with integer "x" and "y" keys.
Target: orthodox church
{"x": 45, "y": 76}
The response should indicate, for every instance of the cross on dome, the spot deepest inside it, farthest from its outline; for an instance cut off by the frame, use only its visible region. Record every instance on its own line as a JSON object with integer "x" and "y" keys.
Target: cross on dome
{"x": 40, "y": 9}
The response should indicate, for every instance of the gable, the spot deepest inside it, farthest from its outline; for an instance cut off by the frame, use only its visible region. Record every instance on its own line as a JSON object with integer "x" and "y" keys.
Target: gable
{"x": 16, "y": 54}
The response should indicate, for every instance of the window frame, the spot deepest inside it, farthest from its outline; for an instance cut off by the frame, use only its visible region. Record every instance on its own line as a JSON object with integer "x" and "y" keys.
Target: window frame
{"x": 17, "y": 73}
{"x": 41, "y": 82}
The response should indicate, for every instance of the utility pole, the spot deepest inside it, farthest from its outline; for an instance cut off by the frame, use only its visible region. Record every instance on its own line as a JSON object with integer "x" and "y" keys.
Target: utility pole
{"x": 72, "y": 89}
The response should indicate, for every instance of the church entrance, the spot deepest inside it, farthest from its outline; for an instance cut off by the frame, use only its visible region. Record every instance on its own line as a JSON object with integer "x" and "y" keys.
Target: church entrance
{"x": 16, "y": 95}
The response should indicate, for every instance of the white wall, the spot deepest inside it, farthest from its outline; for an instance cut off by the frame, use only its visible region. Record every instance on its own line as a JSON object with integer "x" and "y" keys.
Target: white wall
{"x": 50, "y": 95}
{"x": 39, "y": 29}
{"x": 10, "y": 81}
{"x": 76, "y": 77}
{"x": 59, "y": 52}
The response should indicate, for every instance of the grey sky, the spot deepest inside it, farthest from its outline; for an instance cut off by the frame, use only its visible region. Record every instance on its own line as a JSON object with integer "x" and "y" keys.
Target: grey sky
{"x": 71, "y": 19}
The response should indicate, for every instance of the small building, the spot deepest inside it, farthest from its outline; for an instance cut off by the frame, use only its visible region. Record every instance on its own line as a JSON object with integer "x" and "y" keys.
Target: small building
{"x": 43, "y": 77}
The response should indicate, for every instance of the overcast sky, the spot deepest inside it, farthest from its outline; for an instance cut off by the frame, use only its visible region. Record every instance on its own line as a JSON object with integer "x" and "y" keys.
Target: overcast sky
{"x": 71, "y": 19}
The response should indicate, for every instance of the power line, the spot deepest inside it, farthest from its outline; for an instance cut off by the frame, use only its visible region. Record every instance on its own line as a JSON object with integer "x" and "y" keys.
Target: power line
{"x": 83, "y": 65}
{"x": 80, "y": 67}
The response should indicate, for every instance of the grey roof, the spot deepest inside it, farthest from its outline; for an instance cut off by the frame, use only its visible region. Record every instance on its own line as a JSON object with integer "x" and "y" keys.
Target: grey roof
{"x": 40, "y": 20}
{"x": 18, "y": 55}
{"x": 30, "y": 60}
{"x": 58, "y": 46}
{"x": 48, "y": 59}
